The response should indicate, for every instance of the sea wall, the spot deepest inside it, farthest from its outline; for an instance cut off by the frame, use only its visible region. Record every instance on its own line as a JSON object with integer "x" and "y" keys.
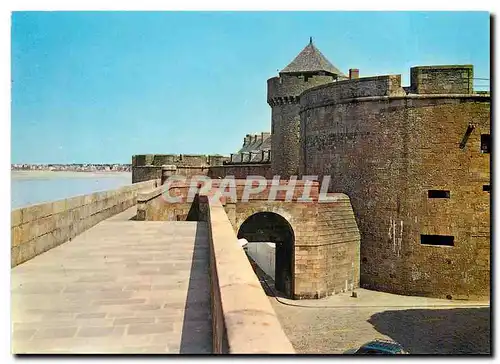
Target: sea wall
{"x": 38, "y": 228}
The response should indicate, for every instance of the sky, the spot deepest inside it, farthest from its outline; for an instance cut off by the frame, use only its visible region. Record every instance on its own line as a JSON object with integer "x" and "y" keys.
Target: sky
{"x": 99, "y": 87}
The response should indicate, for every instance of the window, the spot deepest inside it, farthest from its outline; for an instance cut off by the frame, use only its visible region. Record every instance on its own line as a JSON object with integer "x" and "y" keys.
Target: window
{"x": 485, "y": 143}
{"x": 487, "y": 188}
{"x": 444, "y": 240}
{"x": 438, "y": 194}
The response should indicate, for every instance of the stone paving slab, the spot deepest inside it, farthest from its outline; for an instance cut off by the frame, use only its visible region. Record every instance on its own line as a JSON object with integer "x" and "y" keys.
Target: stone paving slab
{"x": 120, "y": 287}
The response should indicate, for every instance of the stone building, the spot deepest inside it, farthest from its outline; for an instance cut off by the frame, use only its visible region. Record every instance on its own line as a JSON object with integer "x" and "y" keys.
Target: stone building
{"x": 413, "y": 161}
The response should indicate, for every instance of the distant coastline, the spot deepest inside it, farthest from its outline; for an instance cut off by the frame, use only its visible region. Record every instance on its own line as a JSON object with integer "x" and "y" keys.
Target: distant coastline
{"x": 75, "y": 167}
{"x": 29, "y": 187}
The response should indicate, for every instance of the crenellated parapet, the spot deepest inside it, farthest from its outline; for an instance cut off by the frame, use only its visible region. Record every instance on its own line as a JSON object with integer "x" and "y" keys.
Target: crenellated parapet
{"x": 348, "y": 90}
{"x": 285, "y": 100}
{"x": 287, "y": 86}
{"x": 451, "y": 79}
{"x": 188, "y": 160}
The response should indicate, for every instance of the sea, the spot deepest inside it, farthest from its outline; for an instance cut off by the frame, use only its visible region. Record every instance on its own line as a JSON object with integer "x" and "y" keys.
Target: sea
{"x": 34, "y": 187}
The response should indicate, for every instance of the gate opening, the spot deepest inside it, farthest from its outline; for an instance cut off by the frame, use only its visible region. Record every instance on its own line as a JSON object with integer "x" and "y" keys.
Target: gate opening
{"x": 272, "y": 247}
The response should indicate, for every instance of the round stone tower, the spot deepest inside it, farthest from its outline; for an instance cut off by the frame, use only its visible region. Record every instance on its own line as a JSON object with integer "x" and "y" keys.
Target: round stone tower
{"x": 310, "y": 68}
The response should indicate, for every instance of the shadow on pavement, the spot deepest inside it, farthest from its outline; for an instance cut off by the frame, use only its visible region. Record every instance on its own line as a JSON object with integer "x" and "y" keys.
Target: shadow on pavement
{"x": 437, "y": 331}
{"x": 197, "y": 326}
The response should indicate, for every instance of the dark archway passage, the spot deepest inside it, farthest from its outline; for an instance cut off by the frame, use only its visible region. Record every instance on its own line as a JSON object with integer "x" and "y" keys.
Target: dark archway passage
{"x": 271, "y": 227}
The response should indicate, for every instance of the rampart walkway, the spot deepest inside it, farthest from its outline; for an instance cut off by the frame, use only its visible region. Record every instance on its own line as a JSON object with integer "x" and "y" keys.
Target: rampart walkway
{"x": 120, "y": 287}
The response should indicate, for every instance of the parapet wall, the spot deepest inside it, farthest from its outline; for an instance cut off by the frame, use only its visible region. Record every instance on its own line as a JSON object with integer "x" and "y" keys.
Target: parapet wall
{"x": 243, "y": 320}
{"x": 239, "y": 171}
{"x": 455, "y": 79}
{"x": 282, "y": 89}
{"x": 38, "y": 228}
{"x": 345, "y": 91}
{"x": 180, "y": 160}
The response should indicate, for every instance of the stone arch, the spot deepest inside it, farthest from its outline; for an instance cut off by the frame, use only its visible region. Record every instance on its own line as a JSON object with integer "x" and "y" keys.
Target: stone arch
{"x": 268, "y": 226}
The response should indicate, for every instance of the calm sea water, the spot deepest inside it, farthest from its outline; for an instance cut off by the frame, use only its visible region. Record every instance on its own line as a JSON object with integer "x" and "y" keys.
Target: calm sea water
{"x": 33, "y": 187}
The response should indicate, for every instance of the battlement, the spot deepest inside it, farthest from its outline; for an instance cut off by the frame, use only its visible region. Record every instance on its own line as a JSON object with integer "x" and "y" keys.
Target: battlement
{"x": 451, "y": 79}
{"x": 187, "y": 160}
{"x": 285, "y": 89}
{"x": 389, "y": 85}
{"x": 425, "y": 80}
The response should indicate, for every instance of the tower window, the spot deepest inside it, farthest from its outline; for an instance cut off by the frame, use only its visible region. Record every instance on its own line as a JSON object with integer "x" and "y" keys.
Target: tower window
{"x": 485, "y": 143}
{"x": 442, "y": 240}
{"x": 438, "y": 194}
{"x": 487, "y": 188}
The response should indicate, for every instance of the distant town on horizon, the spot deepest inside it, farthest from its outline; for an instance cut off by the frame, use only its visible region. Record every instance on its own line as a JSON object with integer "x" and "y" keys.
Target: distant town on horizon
{"x": 73, "y": 167}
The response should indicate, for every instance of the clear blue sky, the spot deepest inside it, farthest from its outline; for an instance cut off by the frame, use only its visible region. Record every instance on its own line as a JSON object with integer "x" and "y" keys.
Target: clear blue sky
{"x": 98, "y": 87}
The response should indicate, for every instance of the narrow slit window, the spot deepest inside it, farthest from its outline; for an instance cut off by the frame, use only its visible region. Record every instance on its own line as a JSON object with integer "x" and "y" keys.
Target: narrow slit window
{"x": 485, "y": 143}
{"x": 437, "y": 240}
{"x": 487, "y": 188}
{"x": 438, "y": 194}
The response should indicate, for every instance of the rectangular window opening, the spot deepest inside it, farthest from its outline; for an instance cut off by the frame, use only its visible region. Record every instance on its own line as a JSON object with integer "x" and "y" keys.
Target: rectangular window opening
{"x": 438, "y": 194}
{"x": 487, "y": 188}
{"x": 485, "y": 143}
{"x": 440, "y": 240}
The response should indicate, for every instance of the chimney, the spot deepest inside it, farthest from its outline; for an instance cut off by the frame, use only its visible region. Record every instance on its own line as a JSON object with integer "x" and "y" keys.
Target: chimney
{"x": 247, "y": 140}
{"x": 353, "y": 73}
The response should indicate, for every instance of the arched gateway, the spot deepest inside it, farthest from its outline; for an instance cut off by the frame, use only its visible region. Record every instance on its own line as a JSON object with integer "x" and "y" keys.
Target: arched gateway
{"x": 271, "y": 227}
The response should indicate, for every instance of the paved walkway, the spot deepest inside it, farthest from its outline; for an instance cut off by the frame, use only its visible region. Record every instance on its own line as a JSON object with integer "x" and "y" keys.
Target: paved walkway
{"x": 120, "y": 287}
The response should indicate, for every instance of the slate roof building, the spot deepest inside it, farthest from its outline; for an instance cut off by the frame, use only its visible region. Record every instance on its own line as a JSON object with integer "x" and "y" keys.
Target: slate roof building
{"x": 308, "y": 69}
{"x": 311, "y": 61}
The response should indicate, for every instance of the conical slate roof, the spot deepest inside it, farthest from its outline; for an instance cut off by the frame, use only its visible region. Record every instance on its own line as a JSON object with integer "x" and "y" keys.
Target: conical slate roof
{"x": 311, "y": 60}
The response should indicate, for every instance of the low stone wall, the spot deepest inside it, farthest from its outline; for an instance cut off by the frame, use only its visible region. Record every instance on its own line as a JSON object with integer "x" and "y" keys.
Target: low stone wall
{"x": 151, "y": 205}
{"x": 146, "y": 173}
{"x": 244, "y": 321}
{"x": 38, "y": 228}
{"x": 238, "y": 171}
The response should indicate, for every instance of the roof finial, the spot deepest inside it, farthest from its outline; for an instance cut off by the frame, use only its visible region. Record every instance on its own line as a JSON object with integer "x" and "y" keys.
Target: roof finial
{"x": 310, "y": 40}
